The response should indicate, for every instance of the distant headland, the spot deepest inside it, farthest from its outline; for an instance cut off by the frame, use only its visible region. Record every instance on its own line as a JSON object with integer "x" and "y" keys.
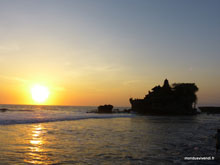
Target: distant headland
{"x": 180, "y": 99}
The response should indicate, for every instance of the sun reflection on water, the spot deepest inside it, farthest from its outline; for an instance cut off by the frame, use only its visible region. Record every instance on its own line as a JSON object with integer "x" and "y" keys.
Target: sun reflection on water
{"x": 37, "y": 154}
{"x": 37, "y": 139}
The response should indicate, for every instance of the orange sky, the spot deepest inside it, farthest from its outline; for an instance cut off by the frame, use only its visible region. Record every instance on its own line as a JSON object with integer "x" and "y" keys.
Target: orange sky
{"x": 94, "y": 52}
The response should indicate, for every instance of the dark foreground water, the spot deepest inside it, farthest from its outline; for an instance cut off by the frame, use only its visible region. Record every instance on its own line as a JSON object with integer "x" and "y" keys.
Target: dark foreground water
{"x": 69, "y": 135}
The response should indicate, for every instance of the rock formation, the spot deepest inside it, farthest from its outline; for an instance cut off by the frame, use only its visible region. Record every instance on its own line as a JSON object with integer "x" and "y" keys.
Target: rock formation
{"x": 180, "y": 99}
{"x": 105, "y": 109}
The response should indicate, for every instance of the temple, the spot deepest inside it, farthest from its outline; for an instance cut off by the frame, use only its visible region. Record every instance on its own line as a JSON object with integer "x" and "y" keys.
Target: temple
{"x": 180, "y": 99}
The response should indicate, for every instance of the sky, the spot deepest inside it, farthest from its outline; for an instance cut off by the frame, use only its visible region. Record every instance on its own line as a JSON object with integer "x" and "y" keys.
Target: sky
{"x": 92, "y": 52}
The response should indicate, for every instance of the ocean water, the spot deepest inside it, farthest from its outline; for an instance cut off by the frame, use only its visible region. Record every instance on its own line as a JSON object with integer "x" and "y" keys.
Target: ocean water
{"x": 69, "y": 135}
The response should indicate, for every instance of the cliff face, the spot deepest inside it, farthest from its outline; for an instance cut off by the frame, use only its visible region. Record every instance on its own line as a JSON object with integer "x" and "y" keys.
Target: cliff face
{"x": 176, "y": 100}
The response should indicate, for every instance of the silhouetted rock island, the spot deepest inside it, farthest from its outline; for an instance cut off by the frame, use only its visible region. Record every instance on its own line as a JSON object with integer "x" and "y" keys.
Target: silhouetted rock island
{"x": 105, "y": 108}
{"x": 108, "y": 109}
{"x": 3, "y": 109}
{"x": 180, "y": 99}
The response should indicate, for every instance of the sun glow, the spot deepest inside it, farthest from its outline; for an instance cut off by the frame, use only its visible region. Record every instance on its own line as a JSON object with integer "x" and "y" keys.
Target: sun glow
{"x": 39, "y": 93}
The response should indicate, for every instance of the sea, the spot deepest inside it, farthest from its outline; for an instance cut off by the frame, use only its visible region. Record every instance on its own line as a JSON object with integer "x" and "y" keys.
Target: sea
{"x": 31, "y": 134}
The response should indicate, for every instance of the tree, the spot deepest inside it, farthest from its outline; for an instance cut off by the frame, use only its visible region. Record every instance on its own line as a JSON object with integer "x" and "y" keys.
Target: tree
{"x": 186, "y": 93}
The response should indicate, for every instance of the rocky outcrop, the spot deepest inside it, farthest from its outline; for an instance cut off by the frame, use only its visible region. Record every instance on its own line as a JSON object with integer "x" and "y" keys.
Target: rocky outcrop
{"x": 105, "y": 108}
{"x": 180, "y": 99}
{"x": 210, "y": 110}
{"x": 3, "y": 109}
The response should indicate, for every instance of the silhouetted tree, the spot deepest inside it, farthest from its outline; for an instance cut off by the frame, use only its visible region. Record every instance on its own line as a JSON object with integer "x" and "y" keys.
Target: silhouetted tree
{"x": 186, "y": 91}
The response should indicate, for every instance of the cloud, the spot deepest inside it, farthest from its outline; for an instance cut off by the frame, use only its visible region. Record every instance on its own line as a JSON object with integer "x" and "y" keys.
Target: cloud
{"x": 13, "y": 78}
{"x": 12, "y": 47}
{"x": 60, "y": 89}
{"x": 130, "y": 82}
{"x": 19, "y": 79}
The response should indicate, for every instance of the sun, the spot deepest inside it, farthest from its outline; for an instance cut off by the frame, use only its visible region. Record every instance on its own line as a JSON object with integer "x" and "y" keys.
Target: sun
{"x": 39, "y": 93}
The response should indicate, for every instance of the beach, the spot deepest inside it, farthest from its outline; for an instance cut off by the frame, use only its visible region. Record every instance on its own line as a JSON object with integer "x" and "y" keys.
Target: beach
{"x": 103, "y": 138}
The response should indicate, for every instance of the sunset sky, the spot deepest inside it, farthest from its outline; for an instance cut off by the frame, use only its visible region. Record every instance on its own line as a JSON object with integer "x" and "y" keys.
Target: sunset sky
{"x": 91, "y": 52}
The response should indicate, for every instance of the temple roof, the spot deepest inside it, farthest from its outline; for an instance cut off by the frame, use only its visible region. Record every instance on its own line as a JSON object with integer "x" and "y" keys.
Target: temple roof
{"x": 166, "y": 84}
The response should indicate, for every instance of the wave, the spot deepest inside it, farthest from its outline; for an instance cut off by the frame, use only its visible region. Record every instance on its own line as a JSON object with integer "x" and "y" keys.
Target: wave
{"x": 72, "y": 118}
